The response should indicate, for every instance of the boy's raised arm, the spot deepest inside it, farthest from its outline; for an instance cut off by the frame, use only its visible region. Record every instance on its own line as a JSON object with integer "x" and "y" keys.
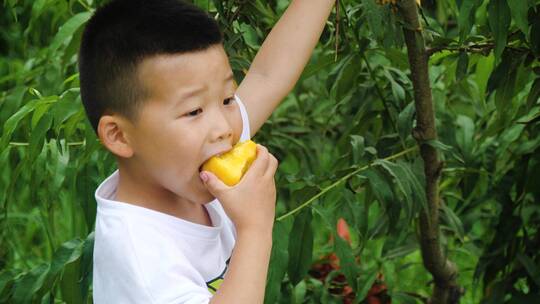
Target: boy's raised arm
{"x": 282, "y": 58}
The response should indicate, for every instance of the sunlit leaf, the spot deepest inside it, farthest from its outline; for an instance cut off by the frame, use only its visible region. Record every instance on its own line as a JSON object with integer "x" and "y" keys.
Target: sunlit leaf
{"x": 519, "y": 11}
{"x": 66, "y": 31}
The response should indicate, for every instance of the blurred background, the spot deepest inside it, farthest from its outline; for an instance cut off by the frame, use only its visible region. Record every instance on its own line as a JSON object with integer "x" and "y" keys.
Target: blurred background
{"x": 350, "y": 181}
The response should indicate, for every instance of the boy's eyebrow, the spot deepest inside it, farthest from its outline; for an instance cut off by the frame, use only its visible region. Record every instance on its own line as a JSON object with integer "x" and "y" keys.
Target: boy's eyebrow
{"x": 193, "y": 93}
{"x": 202, "y": 89}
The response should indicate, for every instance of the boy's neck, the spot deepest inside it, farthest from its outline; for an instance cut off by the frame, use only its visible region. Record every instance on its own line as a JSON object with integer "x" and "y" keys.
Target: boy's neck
{"x": 130, "y": 190}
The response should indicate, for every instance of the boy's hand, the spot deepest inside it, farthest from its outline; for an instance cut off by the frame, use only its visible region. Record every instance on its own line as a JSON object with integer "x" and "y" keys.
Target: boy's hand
{"x": 251, "y": 203}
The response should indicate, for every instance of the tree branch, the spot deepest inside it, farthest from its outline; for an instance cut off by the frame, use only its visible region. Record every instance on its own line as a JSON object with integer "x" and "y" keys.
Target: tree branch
{"x": 481, "y": 48}
{"x": 444, "y": 272}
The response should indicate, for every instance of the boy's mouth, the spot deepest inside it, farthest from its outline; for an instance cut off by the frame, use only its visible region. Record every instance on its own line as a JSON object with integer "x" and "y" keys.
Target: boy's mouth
{"x": 212, "y": 155}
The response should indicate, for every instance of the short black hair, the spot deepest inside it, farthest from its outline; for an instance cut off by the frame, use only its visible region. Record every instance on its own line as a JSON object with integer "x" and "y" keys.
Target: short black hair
{"x": 122, "y": 33}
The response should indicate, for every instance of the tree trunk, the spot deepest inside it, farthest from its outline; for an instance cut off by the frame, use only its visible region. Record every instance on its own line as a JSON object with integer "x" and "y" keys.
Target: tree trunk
{"x": 444, "y": 272}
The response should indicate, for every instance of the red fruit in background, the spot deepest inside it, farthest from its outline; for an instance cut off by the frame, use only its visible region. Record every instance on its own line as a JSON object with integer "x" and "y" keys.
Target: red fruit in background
{"x": 373, "y": 300}
{"x": 333, "y": 260}
{"x": 343, "y": 230}
{"x": 376, "y": 289}
{"x": 378, "y": 293}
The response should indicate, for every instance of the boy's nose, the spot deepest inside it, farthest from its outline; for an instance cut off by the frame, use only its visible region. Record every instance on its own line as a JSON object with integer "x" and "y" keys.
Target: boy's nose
{"x": 222, "y": 129}
{"x": 225, "y": 135}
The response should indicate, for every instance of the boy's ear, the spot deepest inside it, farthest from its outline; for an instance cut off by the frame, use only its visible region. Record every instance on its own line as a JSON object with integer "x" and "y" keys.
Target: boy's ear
{"x": 112, "y": 134}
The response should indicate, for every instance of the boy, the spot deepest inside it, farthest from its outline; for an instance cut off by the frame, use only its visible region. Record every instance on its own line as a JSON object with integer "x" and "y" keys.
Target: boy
{"x": 157, "y": 87}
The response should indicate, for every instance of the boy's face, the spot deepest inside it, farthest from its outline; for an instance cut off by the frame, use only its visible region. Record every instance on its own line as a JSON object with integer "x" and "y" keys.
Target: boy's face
{"x": 190, "y": 116}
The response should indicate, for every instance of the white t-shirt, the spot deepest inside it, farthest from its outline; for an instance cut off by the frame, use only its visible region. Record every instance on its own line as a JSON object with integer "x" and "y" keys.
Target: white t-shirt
{"x": 145, "y": 256}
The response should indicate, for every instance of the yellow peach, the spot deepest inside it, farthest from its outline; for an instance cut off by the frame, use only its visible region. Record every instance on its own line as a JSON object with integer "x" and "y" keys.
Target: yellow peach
{"x": 229, "y": 167}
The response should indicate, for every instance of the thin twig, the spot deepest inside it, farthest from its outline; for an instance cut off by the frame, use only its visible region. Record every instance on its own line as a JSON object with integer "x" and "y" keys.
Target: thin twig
{"x": 25, "y": 144}
{"x": 339, "y": 181}
{"x": 373, "y": 77}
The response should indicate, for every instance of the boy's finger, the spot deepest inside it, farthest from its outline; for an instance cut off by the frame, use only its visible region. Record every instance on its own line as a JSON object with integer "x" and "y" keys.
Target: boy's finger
{"x": 212, "y": 183}
{"x": 273, "y": 163}
{"x": 259, "y": 165}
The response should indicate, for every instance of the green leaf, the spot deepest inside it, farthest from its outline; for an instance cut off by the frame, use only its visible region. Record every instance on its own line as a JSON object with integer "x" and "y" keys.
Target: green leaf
{"x": 400, "y": 251}
{"x": 250, "y": 36}
{"x": 67, "y": 30}
{"x": 67, "y": 106}
{"x": 519, "y": 10}
{"x": 346, "y": 77}
{"x": 37, "y": 138}
{"x": 530, "y": 266}
{"x": 203, "y": 4}
{"x": 70, "y": 284}
{"x": 317, "y": 66}
{"x": 28, "y": 284}
{"x": 439, "y": 145}
{"x": 499, "y": 21}
{"x": 453, "y": 221}
{"x": 397, "y": 90}
{"x": 375, "y": 17}
{"x": 462, "y": 65}
{"x": 417, "y": 186}
{"x": 87, "y": 264}
{"x": 264, "y": 10}
{"x": 300, "y": 247}
{"x": 509, "y": 136}
{"x": 534, "y": 35}
{"x": 402, "y": 182}
{"x": 299, "y": 293}
{"x": 484, "y": 67}
{"x": 38, "y": 113}
{"x": 466, "y": 17}
{"x": 67, "y": 253}
{"x": 534, "y": 94}
{"x": 13, "y": 121}
{"x": 465, "y": 135}
{"x": 496, "y": 79}
{"x": 352, "y": 211}
{"x": 6, "y": 280}
{"x": 505, "y": 93}
{"x": 382, "y": 189}
{"x": 347, "y": 261}
{"x": 278, "y": 261}
{"x": 403, "y": 298}
{"x": 357, "y": 143}
{"x": 405, "y": 121}
{"x": 365, "y": 283}
{"x": 73, "y": 46}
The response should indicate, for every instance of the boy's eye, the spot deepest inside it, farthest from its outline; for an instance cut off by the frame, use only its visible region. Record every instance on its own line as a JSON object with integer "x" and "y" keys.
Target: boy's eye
{"x": 228, "y": 101}
{"x": 194, "y": 112}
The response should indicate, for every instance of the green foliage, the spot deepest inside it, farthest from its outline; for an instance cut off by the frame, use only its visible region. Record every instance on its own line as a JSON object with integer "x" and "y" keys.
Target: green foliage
{"x": 343, "y": 137}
